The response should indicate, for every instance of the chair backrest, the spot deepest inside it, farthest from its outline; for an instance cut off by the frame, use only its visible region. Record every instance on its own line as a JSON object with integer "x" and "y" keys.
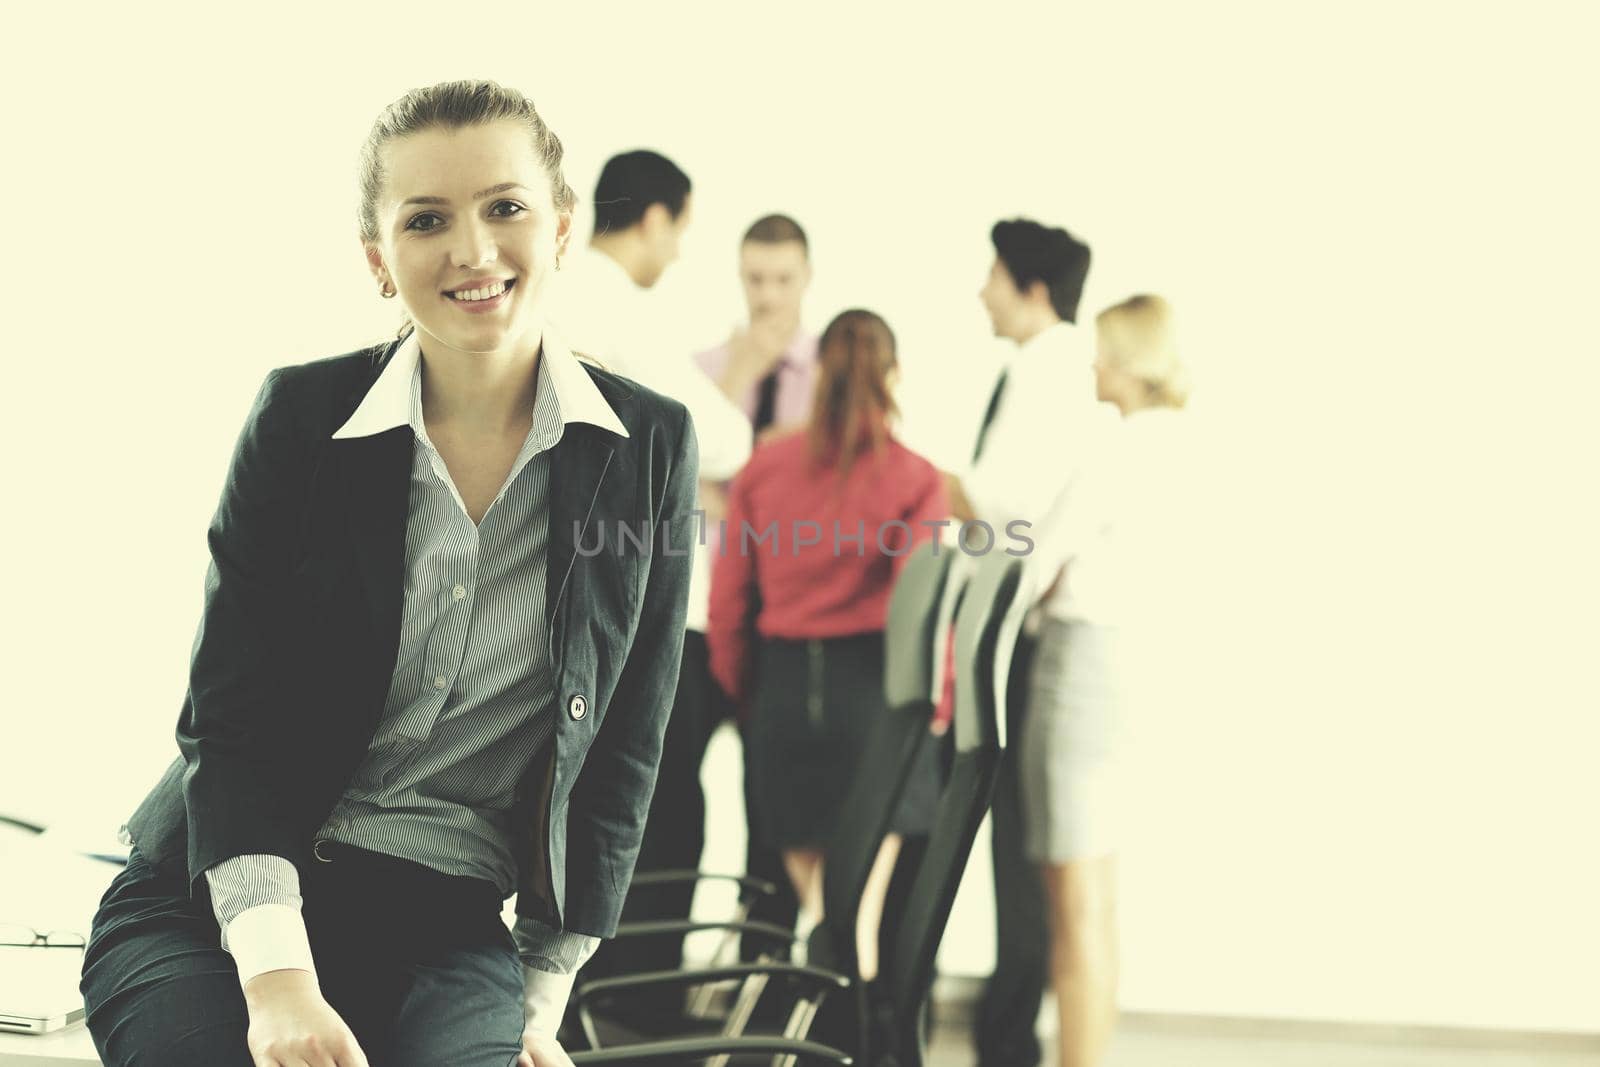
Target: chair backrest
{"x": 917, "y": 611}
{"x": 1023, "y": 600}
{"x": 986, "y": 633}
{"x": 892, "y": 745}
{"x": 993, "y": 605}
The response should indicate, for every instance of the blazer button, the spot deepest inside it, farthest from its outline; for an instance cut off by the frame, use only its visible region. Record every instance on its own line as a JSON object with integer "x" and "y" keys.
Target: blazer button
{"x": 577, "y": 707}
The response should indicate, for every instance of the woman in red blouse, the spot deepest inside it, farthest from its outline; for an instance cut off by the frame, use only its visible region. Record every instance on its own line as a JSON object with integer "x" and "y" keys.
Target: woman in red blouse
{"x": 818, "y": 525}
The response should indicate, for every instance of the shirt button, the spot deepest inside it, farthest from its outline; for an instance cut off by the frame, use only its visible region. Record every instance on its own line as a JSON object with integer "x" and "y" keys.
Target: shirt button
{"x": 438, "y": 681}
{"x": 577, "y": 707}
{"x": 459, "y": 592}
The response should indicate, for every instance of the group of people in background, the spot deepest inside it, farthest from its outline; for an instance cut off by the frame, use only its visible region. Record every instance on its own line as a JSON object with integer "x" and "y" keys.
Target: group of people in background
{"x": 799, "y": 428}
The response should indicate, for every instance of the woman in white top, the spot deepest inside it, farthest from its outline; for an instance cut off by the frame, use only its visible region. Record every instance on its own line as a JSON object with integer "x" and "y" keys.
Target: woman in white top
{"x": 1105, "y": 530}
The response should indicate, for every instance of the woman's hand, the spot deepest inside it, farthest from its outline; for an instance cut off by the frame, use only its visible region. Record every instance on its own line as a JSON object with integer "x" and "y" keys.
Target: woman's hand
{"x": 540, "y": 1049}
{"x": 713, "y": 501}
{"x": 291, "y": 1025}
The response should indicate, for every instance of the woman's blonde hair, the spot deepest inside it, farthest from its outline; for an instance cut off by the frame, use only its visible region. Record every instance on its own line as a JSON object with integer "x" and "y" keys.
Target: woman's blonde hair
{"x": 1137, "y": 338}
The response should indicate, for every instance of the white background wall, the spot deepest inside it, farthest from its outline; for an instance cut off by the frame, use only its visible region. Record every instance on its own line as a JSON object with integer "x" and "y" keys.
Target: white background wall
{"x": 1368, "y": 791}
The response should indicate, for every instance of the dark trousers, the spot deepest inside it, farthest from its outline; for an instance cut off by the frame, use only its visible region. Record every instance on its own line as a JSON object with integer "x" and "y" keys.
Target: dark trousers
{"x": 1010, "y": 1007}
{"x": 417, "y": 963}
{"x": 674, "y": 838}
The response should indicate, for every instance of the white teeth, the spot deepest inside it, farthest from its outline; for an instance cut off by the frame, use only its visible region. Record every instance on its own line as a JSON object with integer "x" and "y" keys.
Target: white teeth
{"x": 486, "y": 293}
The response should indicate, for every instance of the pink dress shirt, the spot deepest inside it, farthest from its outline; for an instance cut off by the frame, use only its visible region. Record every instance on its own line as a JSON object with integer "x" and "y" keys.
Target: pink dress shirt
{"x": 797, "y": 375}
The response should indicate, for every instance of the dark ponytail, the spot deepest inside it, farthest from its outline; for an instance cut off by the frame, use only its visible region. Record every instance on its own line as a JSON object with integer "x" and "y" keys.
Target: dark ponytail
{"x": 853, "y": 404}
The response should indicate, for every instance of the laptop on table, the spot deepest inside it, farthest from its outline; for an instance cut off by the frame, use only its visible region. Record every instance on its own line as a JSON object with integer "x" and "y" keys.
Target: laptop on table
{"x": 39, "y": 989}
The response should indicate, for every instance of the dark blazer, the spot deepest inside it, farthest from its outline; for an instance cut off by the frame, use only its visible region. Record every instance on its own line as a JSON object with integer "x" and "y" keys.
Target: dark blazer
{"x": 301, "y": 628}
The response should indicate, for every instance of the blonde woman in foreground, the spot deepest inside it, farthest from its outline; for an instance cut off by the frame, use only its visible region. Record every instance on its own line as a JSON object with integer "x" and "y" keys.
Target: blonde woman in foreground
{"x": 1104, "y": 529}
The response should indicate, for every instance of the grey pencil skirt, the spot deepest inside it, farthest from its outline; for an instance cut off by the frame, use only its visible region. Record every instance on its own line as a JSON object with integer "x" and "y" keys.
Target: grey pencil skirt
{"x": 1071, "y": 770}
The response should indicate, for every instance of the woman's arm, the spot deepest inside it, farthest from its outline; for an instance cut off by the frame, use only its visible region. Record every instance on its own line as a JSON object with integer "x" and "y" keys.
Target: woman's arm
{"x": 930, "y": 504}
{"x": 257, "y": 902}
{"x": 238, "y": 734}
{"x": 235, "y": 730}
{"x": 609, "y": 801}
{"x": 1079, "y": 513}
{"x": 551, "y": 959}
{"x": 237, "y": 834}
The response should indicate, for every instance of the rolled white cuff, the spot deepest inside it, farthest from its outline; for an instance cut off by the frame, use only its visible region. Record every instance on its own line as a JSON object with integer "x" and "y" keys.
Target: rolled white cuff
{"x": 544, "y": 999}
{"x": 269, "y": 937}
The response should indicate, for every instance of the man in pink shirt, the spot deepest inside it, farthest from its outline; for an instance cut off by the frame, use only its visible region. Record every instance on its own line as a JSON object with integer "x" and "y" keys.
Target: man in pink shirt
{"x": 769, "y": 365}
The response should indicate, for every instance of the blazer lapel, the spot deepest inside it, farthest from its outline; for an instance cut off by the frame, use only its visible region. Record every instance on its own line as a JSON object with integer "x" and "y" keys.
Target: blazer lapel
{"x": 577, "y": 470}
{"x": 375, "y": 474}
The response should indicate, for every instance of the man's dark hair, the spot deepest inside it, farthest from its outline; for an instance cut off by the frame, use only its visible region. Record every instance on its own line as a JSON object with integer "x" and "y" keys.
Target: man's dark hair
{"x": 776, "y": 229}
{"x": 1034, "y": 253}
{"x": 629, "y": 183}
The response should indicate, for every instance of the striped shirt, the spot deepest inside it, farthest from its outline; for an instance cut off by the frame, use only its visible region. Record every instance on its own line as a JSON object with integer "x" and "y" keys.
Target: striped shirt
{"x": 469, "y": 703}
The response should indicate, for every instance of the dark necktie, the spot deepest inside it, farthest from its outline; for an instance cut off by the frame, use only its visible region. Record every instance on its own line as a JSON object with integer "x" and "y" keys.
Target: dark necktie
{"x": 988, "y": 416}
{"x": 766, "y": 403}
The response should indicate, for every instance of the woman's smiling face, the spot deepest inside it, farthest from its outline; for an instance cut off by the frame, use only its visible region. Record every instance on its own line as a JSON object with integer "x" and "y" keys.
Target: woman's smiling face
{"x": 468, "y": 233}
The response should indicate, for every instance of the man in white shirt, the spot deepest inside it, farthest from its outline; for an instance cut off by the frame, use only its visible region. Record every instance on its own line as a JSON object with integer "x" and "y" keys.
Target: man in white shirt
{"x": 1035, "y": 427}
{"x": 599, "y": 305}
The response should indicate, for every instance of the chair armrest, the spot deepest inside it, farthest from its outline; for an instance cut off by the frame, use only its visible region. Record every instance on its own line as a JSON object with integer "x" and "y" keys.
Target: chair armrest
{"x": 754, "y": 885}
{"x": 814, "y": 976}
{"x": 711, "y": 1046}
{"x": 690, "y": 926}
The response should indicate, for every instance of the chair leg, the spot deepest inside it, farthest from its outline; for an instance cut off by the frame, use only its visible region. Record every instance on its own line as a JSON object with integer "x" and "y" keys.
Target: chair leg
{"x": 739, "y": 1017}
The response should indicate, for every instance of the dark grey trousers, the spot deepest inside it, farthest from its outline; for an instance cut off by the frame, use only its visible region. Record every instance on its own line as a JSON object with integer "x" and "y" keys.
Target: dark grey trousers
{"x": 417, "y": 963}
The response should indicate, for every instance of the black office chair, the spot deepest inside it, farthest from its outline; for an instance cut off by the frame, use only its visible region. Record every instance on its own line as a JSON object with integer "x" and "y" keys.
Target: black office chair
{"x": 997, "y": 598}
{"x": 986, "y": 629}
{"x": 919, "y": 611}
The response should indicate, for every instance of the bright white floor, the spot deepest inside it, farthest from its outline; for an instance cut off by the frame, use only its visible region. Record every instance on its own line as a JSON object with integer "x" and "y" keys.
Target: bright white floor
{"x": 1134, "y": 1047}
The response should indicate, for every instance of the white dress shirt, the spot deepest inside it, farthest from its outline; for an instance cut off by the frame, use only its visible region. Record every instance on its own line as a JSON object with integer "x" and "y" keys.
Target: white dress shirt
{"x": 1029, "y": 450}
{"x": 596, "y": 307}
{"x": 1039, "y": 454}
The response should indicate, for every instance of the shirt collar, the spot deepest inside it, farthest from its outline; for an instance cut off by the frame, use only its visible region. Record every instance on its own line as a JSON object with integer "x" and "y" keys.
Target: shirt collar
{"x": 1055, "y": 343}
{"x": 387, "y": 404}
{"x": 1057, "y": 337}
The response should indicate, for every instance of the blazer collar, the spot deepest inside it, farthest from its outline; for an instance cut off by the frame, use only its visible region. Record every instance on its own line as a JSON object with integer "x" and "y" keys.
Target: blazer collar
{"x": 387, "y": 404}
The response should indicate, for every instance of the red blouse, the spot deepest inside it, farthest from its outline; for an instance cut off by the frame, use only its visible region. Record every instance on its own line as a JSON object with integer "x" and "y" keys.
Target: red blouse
{"x": 806, "y": 556}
